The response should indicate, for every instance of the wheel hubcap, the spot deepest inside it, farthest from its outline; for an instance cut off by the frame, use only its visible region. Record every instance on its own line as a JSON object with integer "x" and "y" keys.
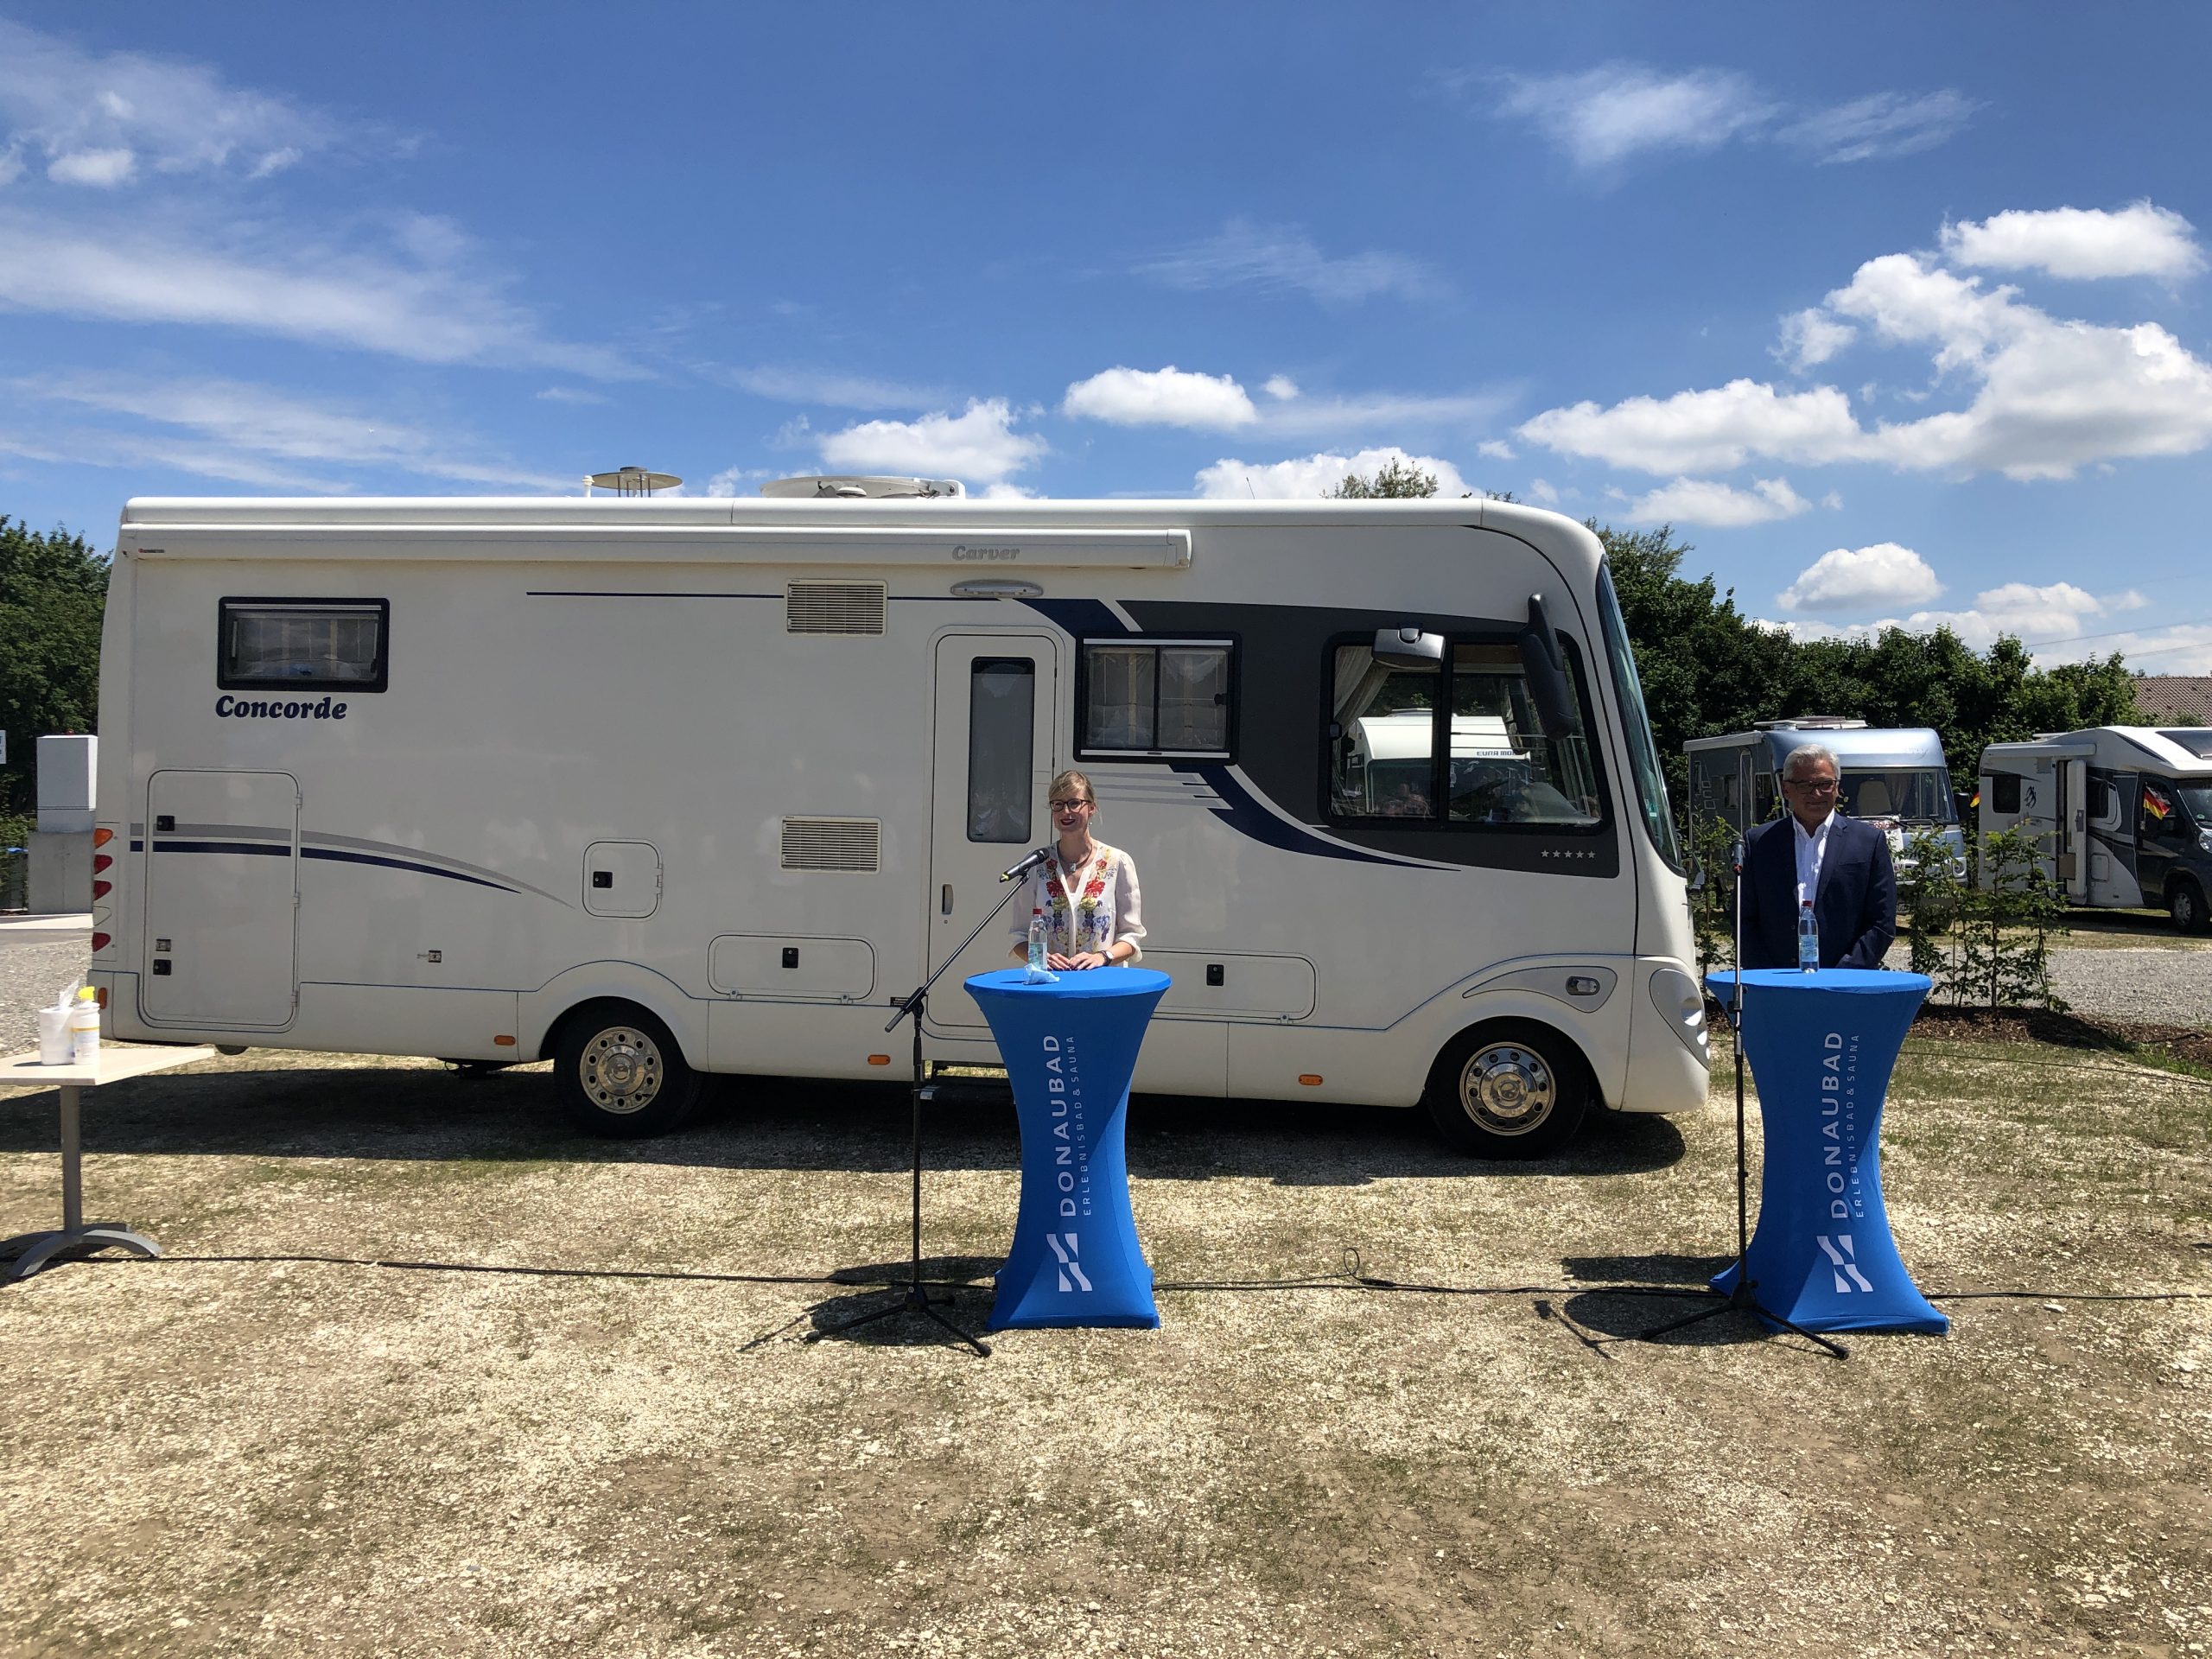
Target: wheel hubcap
{"x": 1506, "y": 1088}
{"x": 622, "y": 1070}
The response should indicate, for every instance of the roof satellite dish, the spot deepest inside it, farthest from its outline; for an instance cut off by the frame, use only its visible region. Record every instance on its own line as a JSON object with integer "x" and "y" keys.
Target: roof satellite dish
{"x": 853, "y": 487}
{"x": 631, "y": 481}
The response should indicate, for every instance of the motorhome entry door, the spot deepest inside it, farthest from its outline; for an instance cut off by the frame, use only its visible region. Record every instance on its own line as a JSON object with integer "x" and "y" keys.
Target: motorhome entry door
{"x": 222, "y": 887}
{"x": 995, "y": 698}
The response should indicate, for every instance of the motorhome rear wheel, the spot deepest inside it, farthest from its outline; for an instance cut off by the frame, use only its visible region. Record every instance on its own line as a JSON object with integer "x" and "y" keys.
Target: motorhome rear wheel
{"x": 1511, "y": 1088}
{"x": 2187, "y": 906}
{"x": 620, "y": 1074}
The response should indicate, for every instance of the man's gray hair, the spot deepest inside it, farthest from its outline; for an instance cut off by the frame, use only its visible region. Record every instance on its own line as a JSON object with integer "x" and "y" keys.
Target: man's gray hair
{"x": 1802, "y": 760}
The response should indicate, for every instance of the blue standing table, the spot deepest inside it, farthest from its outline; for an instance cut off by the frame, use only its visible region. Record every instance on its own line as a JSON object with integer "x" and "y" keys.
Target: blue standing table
{"x": 1070, "y": 1049}
{"x": 1821, "y": 1047}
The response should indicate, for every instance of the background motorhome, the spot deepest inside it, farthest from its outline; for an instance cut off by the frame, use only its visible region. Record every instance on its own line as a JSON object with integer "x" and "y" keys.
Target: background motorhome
{"x": 2122, "y": 815}
{"x": 651, "y": 788}
{"x": 1892, "y": 776}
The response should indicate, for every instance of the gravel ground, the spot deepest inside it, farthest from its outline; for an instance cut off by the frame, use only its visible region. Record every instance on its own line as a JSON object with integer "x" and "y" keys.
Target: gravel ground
{"x": 31, "y": 977}
{"x": 300, "y": 1432}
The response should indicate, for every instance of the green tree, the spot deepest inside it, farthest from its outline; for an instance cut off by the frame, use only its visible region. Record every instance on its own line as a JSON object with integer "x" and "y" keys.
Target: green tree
{"x": 1395, "y": 480}
{"x": 52, "y": 589}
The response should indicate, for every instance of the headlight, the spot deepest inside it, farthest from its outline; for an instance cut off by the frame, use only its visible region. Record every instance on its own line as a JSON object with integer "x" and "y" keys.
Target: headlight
{"x": 2204, "y": 839}
{"x": 1682, "y": 1005}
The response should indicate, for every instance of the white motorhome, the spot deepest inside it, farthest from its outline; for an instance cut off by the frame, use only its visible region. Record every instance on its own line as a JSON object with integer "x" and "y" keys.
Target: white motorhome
{"x": 2121, "y": 815}
{"x": 654, "y": 788}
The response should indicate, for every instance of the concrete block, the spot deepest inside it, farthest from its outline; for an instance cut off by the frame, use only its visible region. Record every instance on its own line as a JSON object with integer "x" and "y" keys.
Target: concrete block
{"x": 61, "y": 873}
{"x": 66, "y": 769}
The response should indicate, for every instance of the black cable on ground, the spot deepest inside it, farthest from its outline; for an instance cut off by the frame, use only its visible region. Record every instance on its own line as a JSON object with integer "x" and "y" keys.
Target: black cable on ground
{"x": 1351, "y": 1279}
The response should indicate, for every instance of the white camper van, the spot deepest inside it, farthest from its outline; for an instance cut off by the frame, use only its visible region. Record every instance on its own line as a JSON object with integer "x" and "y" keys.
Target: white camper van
{"x": 655, "y": 788}
{"x": 2122, "y": 815}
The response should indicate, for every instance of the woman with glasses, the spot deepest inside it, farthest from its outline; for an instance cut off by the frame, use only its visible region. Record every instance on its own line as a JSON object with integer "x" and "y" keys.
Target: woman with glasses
{"x": 1087, "y": 890}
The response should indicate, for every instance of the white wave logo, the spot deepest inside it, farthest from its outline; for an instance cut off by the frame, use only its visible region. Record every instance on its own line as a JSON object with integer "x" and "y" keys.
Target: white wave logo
{"x": 1843, "y": 1261}
{"x": 1071, "y": 1273}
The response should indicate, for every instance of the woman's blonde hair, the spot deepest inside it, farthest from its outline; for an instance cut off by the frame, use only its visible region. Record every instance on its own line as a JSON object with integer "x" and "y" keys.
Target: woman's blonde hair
{"x": 1064, "y": 781}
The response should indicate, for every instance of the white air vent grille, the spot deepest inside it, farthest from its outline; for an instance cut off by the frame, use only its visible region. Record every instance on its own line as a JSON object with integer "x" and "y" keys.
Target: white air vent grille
{"x": 834, "y": 607}
{"x": 833, "y": 844}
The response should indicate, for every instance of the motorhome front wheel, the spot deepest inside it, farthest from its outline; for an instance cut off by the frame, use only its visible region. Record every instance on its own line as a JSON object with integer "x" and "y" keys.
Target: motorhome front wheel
{"x": 620, "y": 1073}
{"x": 1510, "y": 1089}
{"x": 2187, "y": 907}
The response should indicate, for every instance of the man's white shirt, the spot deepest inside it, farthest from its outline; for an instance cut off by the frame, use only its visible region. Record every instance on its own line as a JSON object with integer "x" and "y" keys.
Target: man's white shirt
{"x": 1811, "y": 848}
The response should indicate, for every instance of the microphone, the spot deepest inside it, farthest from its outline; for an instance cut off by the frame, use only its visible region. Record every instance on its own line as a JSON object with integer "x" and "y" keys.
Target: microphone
{"x": 1026, "y": 865}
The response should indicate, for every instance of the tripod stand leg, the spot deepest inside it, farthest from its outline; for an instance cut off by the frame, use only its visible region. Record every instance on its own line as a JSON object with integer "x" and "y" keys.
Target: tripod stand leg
{"x": 1685, "y": 1322}
{"x": 916, "y": 1300}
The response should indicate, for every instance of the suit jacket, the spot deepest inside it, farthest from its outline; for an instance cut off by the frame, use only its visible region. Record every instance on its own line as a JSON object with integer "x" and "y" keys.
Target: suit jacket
{"x": 1856, "y": 907}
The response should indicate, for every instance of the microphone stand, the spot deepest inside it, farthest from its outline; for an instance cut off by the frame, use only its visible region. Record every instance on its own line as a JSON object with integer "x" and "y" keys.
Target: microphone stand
{"x": 915, "y": 1007}
{"x": 1742, "y": 1296}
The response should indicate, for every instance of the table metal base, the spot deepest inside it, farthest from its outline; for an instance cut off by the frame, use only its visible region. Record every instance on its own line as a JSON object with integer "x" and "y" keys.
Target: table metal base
{"x": 32, "y": 1251}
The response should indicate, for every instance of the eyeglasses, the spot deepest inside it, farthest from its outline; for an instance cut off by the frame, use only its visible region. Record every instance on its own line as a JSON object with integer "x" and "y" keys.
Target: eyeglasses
{"x": 1811, "y": 786}
{"x": 1070, "y": 807}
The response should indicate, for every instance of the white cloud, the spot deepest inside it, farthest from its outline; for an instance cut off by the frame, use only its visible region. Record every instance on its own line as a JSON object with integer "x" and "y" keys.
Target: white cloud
{"x": 1846, "y": 579}
{"x": 1704, "y": 431}
{"x": 1707, "y": 501}
{"x": 1602, "y": 116}
{"x": 1279, "y": 386}
{"x": 1316, "y": 475}
{"x": 1168, "y": 397}
{"x": 1881, "y": 126}
{"x": 1497, "y": 449}
{"x": 2049, "y": 396}
{"x": 101, "y": 169}
{"x": 2053, "y": 395}
{"x": 1283, "y": 258}
{"x": 11, "y": 165}
{"x": 77, "y": 107}
{"x": 830, "y": 388}
{"x": 420, "y": 297}
{"x": 1541, "y": 492}
{"x": 1812, "y": 337}
{"x": 254, "y": 434}
{"x": 570, "y": 395}
{"x": 978, "y": 447}
{"x": 2138, "y": 240}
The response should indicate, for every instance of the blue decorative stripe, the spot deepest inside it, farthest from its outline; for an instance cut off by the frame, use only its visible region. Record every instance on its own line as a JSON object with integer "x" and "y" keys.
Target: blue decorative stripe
{"x": 264, "y": 849}
{"x": 1246, "y": 815}
{"x": 279, "y": 850}
{"x": 401, "y": 864}
{"x": 1080, "y": 617}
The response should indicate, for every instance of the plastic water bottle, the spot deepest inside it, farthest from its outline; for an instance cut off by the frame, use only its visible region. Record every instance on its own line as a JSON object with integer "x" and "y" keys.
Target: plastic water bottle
{"x": 1037, "y": 943}
{"x": 1808, "y": 940}
{"x": 84, "y": 1028}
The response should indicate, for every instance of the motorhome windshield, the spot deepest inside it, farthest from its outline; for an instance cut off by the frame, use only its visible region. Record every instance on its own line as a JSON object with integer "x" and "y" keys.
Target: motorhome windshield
{"x": 1913, "y": 795}
{"x": 2196, "y": 801}
{"x": 1643, "y": 750}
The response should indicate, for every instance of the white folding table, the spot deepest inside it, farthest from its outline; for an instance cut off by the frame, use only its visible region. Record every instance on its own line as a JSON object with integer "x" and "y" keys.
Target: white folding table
{"x": 35, "y": 1250}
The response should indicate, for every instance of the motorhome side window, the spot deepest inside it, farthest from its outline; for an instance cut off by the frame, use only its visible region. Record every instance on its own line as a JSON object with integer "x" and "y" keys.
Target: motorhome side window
{"x": 1164, "y": 697}
{"x": 303, "y": 644}
{"x": 1389, "y": 756}
{"x": 1002, "y": 708}
{"x": 2005, "y": 793}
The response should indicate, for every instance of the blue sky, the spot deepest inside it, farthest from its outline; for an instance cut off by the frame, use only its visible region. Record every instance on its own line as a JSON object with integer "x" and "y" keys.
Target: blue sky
{"x": 1896, "y": 312}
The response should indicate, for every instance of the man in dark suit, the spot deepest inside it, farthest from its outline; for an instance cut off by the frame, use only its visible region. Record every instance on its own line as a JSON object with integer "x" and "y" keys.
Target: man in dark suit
{"x": 1816, "y": 852}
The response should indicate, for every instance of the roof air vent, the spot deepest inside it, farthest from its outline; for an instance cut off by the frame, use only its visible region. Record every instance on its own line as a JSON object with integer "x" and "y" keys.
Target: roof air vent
{"x": 835, "y": 606}
{"x": 631, "y": 481}
{"x": 858, "y": 487}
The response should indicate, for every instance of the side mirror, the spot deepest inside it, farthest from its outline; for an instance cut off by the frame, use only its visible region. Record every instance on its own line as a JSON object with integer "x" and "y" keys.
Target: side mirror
{"x": 1545, "y": 664}
{"x": 1408, "y": 648}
